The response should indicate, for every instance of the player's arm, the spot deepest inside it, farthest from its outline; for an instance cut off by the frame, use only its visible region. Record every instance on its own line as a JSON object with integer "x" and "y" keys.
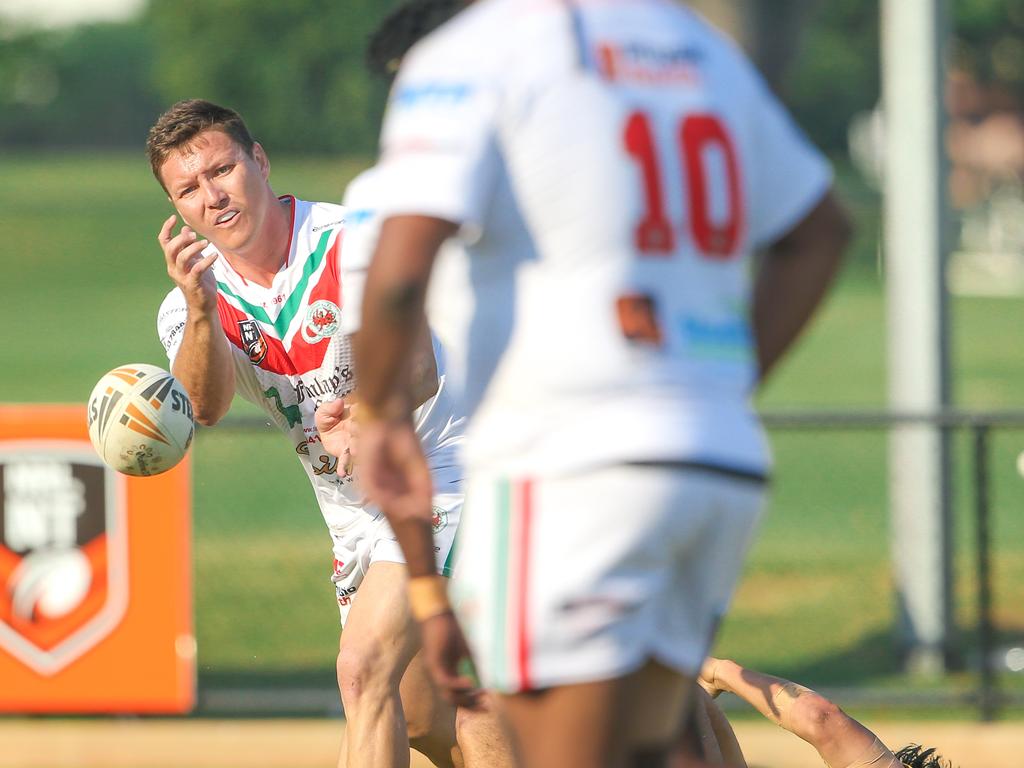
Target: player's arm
{"x": 839, "y": 739}
{"x": 394, "y": 469}
{"x": 793, "y": 276}
{"x": 203, "y": 362}
{"x": 391, "y": 332}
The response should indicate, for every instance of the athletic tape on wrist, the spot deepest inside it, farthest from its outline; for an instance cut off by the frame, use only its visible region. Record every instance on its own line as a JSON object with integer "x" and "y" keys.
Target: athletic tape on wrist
{"x": 428, "y": 597}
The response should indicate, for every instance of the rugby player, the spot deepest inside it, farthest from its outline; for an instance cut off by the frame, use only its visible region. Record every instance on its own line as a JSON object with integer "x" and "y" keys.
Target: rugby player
{"x": 256, "y": 310}
{"x": 610, "y": 169}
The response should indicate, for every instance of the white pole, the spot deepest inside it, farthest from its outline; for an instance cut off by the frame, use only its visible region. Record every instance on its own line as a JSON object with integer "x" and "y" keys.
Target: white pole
{"x": 913, "y": 43}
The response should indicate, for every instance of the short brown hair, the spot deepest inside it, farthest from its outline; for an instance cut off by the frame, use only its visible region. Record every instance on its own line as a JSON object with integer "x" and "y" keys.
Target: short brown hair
{"x": 187, "y": 119}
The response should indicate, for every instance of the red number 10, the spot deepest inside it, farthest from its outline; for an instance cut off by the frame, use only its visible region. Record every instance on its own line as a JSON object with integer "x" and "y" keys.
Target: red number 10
{"x": 654, "y": 232}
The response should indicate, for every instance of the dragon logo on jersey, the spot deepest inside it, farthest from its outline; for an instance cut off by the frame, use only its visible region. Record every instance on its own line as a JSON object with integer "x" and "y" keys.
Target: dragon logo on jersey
{"x": 290, "y": 412}
{"x": 252, "y": 339}
{"x": 63, "y": 557}
{"x": 321, "y": 321}
{"x": 438, "y": 519}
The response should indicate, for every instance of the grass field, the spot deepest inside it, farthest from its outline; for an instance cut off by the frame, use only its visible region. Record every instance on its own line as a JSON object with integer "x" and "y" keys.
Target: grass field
{"x": 314, "y": 744}
{"x": 84, "y": 276}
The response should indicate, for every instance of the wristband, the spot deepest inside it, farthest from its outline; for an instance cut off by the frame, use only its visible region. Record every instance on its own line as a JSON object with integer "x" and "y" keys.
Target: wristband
{"x": 428, "y": 597}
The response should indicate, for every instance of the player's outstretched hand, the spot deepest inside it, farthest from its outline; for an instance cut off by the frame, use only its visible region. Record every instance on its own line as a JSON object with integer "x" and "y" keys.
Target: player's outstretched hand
{"x": 448, "y": 660}
{"x": 707, "y": 679}
{"x": 339, "y": 430}
{"x": 187, "y": 266}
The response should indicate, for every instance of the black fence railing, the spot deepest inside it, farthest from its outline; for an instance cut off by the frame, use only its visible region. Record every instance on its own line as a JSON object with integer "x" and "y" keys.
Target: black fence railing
{"x": 980, "y": 424}
{"x": 987, "y": 698}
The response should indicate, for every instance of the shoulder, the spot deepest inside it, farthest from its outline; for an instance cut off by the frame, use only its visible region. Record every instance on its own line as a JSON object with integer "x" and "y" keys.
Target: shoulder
{"x": 173, "y": 304}
{"x": 318, "y": 217}
{"x": 484, "y": 33}
{"x": 170, "y": 319}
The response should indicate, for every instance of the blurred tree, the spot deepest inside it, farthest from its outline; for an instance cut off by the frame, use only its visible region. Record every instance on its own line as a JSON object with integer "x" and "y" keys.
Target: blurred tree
{"x": 989, "y": 45}
{"x": 294, "y": 68}
{"x": 87, "y": 86}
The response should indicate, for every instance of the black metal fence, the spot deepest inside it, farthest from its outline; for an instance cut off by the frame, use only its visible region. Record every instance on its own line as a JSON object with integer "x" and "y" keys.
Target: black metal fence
{"x": 246, "y": 694}
{"x": 980, "y": 424}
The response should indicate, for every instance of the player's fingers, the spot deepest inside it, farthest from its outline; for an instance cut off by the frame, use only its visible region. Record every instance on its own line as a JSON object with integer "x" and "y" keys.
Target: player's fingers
{"x": 165, "y": 231}
{"x": 188, "y": 256}
{"x": 205, "y": 263}
{"x": 173, "y": 247}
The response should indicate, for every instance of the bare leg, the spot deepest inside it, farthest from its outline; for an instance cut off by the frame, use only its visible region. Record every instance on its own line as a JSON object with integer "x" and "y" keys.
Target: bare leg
{"x": 484, "y": 736}
{"x": 390, "y": 703}
{"x": 627, "y": 722}
{"x": 373, "y": 654}
{"x": 431, "y": 720}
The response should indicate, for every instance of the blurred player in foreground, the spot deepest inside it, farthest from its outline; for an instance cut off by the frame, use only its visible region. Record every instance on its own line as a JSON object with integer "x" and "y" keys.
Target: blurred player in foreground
{"x": 841, "y": 741}
{"x": 610, "y": 169}
{"x": 255, "y": 312}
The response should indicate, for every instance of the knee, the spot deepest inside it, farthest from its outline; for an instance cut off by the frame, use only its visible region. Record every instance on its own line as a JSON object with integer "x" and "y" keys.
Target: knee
{"x": 363, "y": 672}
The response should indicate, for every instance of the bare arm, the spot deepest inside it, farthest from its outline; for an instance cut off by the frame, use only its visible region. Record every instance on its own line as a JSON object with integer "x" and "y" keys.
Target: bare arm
{"x": 393, "y": 323}
{"x": 203, "y": 364}
{"x": 793, "y": 276}
{"x": 394, "y": 470}
{"x": 839, "y": 739}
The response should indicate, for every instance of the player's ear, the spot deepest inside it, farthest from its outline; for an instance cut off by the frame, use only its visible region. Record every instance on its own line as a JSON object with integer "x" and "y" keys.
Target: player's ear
{"x": 261, "y": 159}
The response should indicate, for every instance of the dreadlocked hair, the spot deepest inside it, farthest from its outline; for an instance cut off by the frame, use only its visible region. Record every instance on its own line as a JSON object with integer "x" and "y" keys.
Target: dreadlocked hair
{"x": 916, "y": 756}
{"x": 402, "y": 29}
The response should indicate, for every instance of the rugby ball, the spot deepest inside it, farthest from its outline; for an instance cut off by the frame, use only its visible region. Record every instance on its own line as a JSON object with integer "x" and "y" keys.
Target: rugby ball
{"x": 140, "y": 420}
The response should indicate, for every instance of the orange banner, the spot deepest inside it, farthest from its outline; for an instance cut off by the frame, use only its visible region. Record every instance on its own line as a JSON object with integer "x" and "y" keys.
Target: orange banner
{"x": 95, "y": 574}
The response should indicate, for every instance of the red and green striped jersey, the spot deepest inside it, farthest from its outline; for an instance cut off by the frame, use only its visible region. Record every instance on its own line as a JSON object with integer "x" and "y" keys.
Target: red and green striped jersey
{"x": 290, "y": 353}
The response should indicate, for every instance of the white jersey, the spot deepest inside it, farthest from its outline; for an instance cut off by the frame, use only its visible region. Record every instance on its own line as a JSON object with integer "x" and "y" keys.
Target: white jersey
{"x": 613, "y": 165}
{"x": 366, "y": 203}
{"x": 290, "y": 353}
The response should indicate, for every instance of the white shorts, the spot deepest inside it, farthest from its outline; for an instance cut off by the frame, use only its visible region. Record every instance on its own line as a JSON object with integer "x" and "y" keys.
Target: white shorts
{"x": 369, "y": 539}
{"x": 586, "y": 577}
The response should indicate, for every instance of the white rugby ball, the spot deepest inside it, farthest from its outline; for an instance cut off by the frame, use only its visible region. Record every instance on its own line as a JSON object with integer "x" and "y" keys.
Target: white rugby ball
{"x": 140, "y": 420}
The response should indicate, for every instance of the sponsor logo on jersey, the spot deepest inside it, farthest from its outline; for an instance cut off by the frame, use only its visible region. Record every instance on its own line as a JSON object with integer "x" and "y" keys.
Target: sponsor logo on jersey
{"x": 320, "y": 227}
{"x": 318, "y": 387}
{"x": 253, "y": 342}
{"x": 728, "y": 339}
{"x": 649, "y": 64}
{"x": 345, "y": 595}
{"x": 638, "y": 319}
{"x": 327, "y": 465}
{"x": 63, "y": 557}
{"x": 432, "y": 94}
{"x": 438, "y": 519}
{"x": 359, "y": 216}
{"x": 321, "y": 321}
{"x": 168, "y": 340}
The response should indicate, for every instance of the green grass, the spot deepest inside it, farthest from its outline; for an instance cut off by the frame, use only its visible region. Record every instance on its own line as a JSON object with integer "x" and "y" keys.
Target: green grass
{"x": 83, "y": 280}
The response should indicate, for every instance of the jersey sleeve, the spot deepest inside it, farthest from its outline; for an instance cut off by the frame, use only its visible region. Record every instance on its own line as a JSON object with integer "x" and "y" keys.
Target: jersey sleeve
{"x": 170, "y": 323}
{"x": 790, "y": 176}
{"x": 362, "y": 229}
{"x": 439, "y": 140}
